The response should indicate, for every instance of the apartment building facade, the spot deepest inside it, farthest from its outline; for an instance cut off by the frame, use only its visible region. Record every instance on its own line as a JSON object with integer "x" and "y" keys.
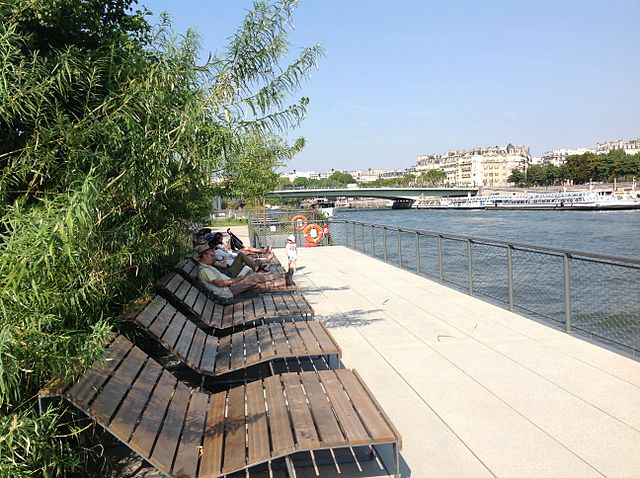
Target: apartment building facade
{"x": 489, "y": 167}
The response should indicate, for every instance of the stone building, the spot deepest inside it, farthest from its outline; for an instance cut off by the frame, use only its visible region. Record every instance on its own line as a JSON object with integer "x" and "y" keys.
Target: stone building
{"x": 490, "y": 167}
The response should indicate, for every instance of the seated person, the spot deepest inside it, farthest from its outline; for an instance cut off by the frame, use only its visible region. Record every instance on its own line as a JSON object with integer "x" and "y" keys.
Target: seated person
{"x": 200, "y": 236}
{"x": 217, "y": 240}
{"x": 227, "y": 287}
{"x": 233, "y": 265}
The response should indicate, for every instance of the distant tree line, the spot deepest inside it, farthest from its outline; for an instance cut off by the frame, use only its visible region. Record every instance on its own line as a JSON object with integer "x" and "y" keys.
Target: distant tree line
{"x": 581, "y": 169}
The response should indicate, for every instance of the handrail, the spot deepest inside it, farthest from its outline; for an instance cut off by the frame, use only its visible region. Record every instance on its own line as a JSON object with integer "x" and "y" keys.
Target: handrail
{"x": 497, "y": 242}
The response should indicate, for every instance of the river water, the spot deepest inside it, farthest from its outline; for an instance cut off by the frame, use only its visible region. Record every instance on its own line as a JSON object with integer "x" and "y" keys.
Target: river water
{"x": 609, "y": 232}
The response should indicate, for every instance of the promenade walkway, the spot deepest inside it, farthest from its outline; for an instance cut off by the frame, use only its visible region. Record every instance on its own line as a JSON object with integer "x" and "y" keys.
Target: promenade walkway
{"x": 475, "y": 390}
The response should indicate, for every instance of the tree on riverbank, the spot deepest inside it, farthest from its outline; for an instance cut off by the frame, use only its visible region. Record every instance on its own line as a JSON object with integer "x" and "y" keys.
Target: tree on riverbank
{"x": 581, "y": 169}
{"x": 111, "y": 134}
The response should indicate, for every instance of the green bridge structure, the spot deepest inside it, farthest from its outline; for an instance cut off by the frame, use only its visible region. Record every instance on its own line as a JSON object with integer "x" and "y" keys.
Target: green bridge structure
{"x": 402, "y": 197}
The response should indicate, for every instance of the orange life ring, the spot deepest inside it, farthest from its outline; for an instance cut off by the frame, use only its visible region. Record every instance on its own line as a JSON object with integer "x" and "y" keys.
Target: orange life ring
{"x": 313, "y": 233}
{"x": 299, "y": 222}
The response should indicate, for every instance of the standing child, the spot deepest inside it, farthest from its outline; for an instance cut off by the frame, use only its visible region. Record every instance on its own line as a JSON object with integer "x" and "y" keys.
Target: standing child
{"x": 292, "y": 253}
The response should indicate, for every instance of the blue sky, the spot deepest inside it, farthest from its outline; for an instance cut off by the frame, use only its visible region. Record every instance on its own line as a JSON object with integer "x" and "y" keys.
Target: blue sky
{"x": 406, "y": 77}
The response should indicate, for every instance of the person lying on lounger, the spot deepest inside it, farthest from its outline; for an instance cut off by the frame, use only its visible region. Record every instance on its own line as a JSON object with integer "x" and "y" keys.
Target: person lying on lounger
{"x": 217, "y": 241}
{"x": 227, "y": 287}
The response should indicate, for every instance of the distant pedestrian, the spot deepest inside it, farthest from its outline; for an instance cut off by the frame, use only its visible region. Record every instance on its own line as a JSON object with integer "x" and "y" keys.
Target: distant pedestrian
{"x": 292, "y": 253}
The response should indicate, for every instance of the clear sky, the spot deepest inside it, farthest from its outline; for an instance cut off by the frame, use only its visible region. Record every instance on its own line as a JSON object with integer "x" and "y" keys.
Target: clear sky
{"x": 408, "y": 77}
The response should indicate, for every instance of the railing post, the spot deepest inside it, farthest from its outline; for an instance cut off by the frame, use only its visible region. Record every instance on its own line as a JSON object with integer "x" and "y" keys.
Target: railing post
{"x": 362, "y": 237}
{"x": 355, "y": 245}
{"x": 373, "y": 243}
{"x": 470, "y": 266}
{"x": 346, "y": 231}
{"x": 399, "y": 249}
{"x": 440, "y": 265}
{"x": 384, "y": 241}
{"x": 567, "y": 293}
{"x": 417, "y": 252}
{"x": 510, "y": 274}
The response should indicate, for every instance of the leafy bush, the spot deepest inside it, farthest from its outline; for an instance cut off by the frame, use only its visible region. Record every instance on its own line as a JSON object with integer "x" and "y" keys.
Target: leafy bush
{"x": 111, "y": 135}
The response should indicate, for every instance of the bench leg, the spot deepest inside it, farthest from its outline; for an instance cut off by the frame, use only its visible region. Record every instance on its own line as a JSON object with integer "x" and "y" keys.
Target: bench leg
{"x": 334, "y": 361}
{"x": 385, "y": 457}
{"x": 291, "y": 471}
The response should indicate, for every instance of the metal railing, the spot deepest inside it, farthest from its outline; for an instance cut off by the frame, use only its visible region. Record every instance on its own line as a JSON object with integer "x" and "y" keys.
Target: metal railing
{"x": 593, "y": 295}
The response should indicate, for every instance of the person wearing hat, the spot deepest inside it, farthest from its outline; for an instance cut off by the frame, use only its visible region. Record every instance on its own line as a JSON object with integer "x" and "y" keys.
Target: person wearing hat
{"x": 229, "y": 287}
{"x": 292, "y": 253}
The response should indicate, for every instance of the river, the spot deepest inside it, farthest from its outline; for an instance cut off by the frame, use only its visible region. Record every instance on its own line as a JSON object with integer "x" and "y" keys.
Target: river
{"x": 609, "y": 232}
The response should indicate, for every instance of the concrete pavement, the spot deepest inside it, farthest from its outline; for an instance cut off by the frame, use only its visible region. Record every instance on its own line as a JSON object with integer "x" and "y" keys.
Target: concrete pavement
{"x": 475, "y": 390}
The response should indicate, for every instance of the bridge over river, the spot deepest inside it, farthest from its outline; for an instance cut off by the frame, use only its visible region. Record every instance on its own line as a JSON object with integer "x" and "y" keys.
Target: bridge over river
{"x": 402, "y": 197}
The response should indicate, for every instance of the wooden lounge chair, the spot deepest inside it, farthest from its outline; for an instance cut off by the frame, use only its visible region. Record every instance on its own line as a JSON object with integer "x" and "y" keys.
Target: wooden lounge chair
{"x": 213, "y": 356}
{"x": 187, "y": 433}
{"x": 219, "y": 315}
{"x": 189, "y": 267}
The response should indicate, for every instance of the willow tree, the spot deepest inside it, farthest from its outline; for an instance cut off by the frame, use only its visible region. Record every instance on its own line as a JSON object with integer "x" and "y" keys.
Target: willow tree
{"x": 111, "y": 133}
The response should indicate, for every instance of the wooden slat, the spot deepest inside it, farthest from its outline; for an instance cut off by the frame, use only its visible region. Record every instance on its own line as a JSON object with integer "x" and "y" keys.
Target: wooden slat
{"x": 165, "y": 449}
{"x": 208, "y": 362}
{"x": 281, "y": 303}
{"x": 207, "y": 311}
{"x": 237, "y": 310}
{"x": 266, "y": 345}
{"x": 125, "y": 420}
{"x": 302, "y": 306}
{"x": 186, "y": 338}
{"x": 149, "y": 311}
{"x": 159, "y": 325}
{"x": 173, "y": 283}
{"x": 251, "y": 347}
{"x": 83, "y": 391}
{"x": 237, "y": 351}
{"x": 114, "y": 391}
{"x": 295, "y": 341}
{"x": 183, "y": 289}
{"x": 216, "y": 317}
{"x": 303, "y": 427}
{"x": 186, "y": 461}
{"x": 145, "y": 433}
{"x": 370, "y": 416}
{"x": 200, "y": 302}
{"x": 348, "y": 417}
{"x": 269, "y": 306}
{"x": 279, "y": 424}
{"x": 191, "y": 297}
{"x": 258, "y": 434}
{"x": 279, "y": 339}
{"x": 250, "y": 310}
{"x": 211, "y": 460}
{"x": 308, "y": 338}
{"x": 259, "y": 307}
{"x": 223, "y": 356}
{"x": 197, "y": 348}
{"x": 323, "y": 336}
{"x": 173, "y": 330}
{"x": 326, "y": 423}
{"x": 235, "y": 457}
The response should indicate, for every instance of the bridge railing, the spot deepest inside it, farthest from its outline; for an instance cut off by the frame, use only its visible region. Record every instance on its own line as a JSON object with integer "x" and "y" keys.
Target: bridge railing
{"x": 593, "y": 295}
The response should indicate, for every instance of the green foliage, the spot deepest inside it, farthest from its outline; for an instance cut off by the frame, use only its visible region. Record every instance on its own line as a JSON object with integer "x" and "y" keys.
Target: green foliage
{"x": 581, "y": 169}
{"x": 111, "y": 135}
{"x": 341, "y": 179}
{"x": 248, "y": 169}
